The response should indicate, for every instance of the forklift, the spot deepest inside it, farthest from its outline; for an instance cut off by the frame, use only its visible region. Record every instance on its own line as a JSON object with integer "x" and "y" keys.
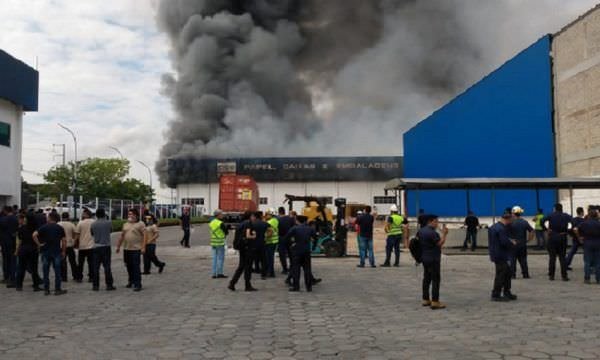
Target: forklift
{"x": 331, "y": 236}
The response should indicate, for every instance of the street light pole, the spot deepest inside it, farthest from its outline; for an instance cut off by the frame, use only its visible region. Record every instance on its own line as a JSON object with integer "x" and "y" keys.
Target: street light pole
{"x": 149, "y": 171}
{"x": 74, "y": 167}
{"x": 118, "y": 152}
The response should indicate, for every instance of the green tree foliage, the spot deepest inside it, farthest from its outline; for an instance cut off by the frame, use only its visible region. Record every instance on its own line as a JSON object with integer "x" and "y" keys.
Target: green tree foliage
{"x": 102, "y": 178}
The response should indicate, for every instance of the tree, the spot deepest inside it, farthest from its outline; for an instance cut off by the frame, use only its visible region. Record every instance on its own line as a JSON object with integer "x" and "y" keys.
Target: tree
{"x": 102, "y": 178}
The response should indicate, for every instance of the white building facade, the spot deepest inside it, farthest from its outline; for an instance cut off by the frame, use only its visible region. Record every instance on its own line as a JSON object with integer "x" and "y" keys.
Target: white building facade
{"x": 18, "y": 93}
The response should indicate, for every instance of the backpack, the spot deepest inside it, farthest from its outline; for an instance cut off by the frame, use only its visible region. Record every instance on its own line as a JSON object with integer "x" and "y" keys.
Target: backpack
{"x": 239, "y": 239}
{"x": 415, "y": 249}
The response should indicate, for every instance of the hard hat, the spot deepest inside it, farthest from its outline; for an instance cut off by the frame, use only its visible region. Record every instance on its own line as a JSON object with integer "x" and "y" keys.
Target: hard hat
{"x": 394, "y": 208}
{"x": 217, "y": 212}
{"x": 517, "y": 210}
{"x": 359, "y": 212}
{"x": 271, "y": 211}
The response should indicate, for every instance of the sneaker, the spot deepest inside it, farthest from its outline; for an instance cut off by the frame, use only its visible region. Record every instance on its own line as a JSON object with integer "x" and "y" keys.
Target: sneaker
{"x": 60, "y": 292}
{"x": 426, "y": 303}
{"x": 214, "y": 276}
{"x": 385, "y": 265}
{"x": 231, "y": 287}
{"x": 250, "y": 289}
{"x": 37, "y": 288}
{"x": 510, "y": 296}
{"x": 526, "y": 277}
{"x": 111, "y": 288}
{"x": 137, "y": 288}
{"x": 373, "y": 266}
{"x": 396, "y": 265}
{"x": 46, "y": 292}
{"x": 161, "y": 268}
{"x": 360, "y": 266}
{"x": 436, "y": 305}
{"x": 569, "y": 268}
{"x": 565, "y": 279}
{"x": 499, "y": 299}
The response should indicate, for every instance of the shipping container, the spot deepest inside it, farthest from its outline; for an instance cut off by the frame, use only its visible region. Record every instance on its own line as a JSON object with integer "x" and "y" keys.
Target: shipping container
{"x": 237, "y": 193}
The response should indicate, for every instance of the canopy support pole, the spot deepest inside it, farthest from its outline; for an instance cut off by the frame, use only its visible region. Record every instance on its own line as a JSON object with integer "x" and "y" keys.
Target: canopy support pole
{"x": 537, "y": 199}
{"x": 571, "y": 198}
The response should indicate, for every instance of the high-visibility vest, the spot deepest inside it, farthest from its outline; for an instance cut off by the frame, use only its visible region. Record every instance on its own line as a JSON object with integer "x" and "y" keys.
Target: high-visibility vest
{"x": 273, "y": 239}
{"x": 396, "y": 225}
{"x": 538, "y": 222}
{"x": 217, "y": 235}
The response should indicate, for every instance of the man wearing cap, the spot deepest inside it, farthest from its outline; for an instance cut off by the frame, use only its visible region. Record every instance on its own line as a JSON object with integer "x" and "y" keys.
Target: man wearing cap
{"x": 218, "y": 235}
{"x": 558, "y": 227}
{"x": 520, "y": 231}
{"x": 396, "y": 226}
{"x": 499, "y": 248}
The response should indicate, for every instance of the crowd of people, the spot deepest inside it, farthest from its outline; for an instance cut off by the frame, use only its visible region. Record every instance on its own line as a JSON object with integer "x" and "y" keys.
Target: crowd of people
{"x": 25, "y": 236}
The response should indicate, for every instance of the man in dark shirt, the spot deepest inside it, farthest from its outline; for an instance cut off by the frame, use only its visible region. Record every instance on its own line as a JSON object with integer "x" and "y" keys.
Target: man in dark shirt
{"x": 51, "y": 240}
{"x": 27, "y": 252}
{"x": 499, "y": 248}
{"x": 243, "y": 236}
{"x": 185, "y": 222}
{"x": 300, "y": 238}
{"x": 558, "y": 227}
{"x": 421, "y": 219}
{"x": 589, "y": 232}
{"x": 472, "y": 224}
{"x": 285, "y": 224}
{"x": 9, "y": 225}
{"x": 576, "y": 241}
{"x": 262, "y": 230}
{"x": 365, "y": 237}
{"x": 431, "y": 256}
{"x": 521, "y": 231}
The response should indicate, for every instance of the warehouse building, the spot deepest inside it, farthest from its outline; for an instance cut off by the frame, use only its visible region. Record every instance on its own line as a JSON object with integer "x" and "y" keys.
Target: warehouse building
{"x": 358, "y": 179}
{"x": 537, "y": 116}
{"x": 18, "y": 94}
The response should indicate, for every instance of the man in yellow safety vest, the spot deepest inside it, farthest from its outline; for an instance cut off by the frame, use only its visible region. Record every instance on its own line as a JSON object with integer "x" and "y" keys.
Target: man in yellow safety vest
{"x": 396, "y": 228}
{"x": 271, "y": 241}
{"x": 218, "y": 235}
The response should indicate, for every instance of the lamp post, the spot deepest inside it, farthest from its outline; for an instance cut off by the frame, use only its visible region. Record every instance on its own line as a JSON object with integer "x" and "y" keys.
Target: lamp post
{"x": 149, "y": 172}
{"x": 118, "y": 152}
{"x": 74, "y": 190}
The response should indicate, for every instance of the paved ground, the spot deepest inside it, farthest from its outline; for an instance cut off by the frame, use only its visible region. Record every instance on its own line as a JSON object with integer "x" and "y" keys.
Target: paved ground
{"x": 353, "y": 314}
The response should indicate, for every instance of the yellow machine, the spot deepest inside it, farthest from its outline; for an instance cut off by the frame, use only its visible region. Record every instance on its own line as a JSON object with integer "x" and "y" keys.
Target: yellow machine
{"x": 316, "y": 212}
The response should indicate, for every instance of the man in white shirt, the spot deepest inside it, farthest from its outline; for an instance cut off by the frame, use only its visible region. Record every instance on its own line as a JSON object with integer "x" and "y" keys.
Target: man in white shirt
{"x": 85, "y": 243}
{"x": 69, "y": 228}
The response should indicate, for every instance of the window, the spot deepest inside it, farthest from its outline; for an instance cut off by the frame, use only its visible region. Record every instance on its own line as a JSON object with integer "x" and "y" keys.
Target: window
{"x": 384, "y": 200}
{"x": 192, "y": 201}
{"x": 263, "y": 201}
{"x": 4, "y": 134}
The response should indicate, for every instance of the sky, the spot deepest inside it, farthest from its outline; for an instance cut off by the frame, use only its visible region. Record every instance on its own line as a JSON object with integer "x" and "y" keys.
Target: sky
{"x": 100, "y": 66}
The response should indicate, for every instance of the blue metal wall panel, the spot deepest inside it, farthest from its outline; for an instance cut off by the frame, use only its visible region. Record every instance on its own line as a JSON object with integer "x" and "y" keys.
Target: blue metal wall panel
{"x": 500, "y": 127}
{"x": 18, "y": 82}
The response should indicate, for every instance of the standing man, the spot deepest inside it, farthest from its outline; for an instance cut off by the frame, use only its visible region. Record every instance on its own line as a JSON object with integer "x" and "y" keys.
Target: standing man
{"x": 395, "y": 227}
{"x": 244, "y": 236}
{"x": 272, "y": 242}
{"x": 589, "y": 232}
{"x": 472, "y": 224}
{"x": 152, "y": 233}
{"x": 218, "y": 234}
{"x": 422, "y": 219}
{"x": 300, "y": 238}
{"x": 51, "y": 240}
{"x": 365, "y": 237}
{"x": 101, "y": 229}
{"x": 576, "y": 241}
{"x": 431, "y": 247}
{"x": 85, "y": 244}
{"x": 262, "y": 231}
{"x": 285, "y": 224}
{"x": 558, "y": 227}
{"x": 27, "y": 252}
{"x": 9, "y": 225}
{"x": 521, "y": 232}
{"x": 70, "y": 253}
{"x": 133, "y": 237}
{"x": 540, "y": 235}
{"x": 499, "y": 249}
{"x": 185, "y": 222}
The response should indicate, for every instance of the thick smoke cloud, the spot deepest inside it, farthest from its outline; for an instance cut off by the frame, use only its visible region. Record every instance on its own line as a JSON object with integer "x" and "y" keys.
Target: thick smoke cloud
{"x": 330, "y": 77}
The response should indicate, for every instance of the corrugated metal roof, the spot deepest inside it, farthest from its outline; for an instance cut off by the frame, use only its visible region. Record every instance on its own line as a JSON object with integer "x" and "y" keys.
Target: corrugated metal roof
{"x": 19, "y": 83}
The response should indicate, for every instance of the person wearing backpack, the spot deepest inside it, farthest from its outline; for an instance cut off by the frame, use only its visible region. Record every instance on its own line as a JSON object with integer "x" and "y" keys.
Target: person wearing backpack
{"x": 431, "y": 255}
{"x": 240, "y": 243}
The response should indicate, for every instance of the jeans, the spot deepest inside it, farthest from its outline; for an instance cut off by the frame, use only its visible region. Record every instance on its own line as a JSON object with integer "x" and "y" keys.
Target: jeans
{"x": 557, "y": 249}
{"x": 54, "y": 260}
{"x": 270, "y": 253}
{"x": 72, "y": 262}
{"x": 519, "y": 254}
{"x": 472, "y": 237}
{"x": 27, "y": 262}
{"x": 366, "y": 246}
{"x": 84, "y": 255}
{"x": 591, "y": 258}
{"x": 573, "y": 251}
{"x": 282, "y": 248}
{"x": 102, "y": 256}
{"x": 218, "y": 258}
{"x": 132, "y": 263}
{"x": 540, "y": 238}
{"x": 186, "y": 237}
{"x": 151, "y": 258}
{"x": 245, "y": 267}
{"x": 301, "y": 260}
{"x": 502, "y": 281}
{"x": 9, "y": 260}
{"x": 431, "y": 277}
{"x": 392, "y": 243}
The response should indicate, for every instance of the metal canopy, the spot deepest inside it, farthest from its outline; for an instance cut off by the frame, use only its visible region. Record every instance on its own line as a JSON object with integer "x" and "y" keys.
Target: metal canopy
{"x": 492, "y": 183}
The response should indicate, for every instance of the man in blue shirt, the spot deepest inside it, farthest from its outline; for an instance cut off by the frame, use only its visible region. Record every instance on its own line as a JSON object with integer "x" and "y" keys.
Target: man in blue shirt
{"x": 51, "y": 240}
{"x": 365, "y": 237}
{"x": 300, "y": 239}
{"x": 286, "y": 222}
{"x": 431, "y": 256}
{"x": 499, "y": 248}
{"x": 589, "y": 232}
{"x": 576, "y": 241}
{"x": 521, "y": 231}
{"x": 558, "y": 228}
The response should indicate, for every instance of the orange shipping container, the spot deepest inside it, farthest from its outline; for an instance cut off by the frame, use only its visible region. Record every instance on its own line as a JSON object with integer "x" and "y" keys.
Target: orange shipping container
{"x": 238, "y": 193}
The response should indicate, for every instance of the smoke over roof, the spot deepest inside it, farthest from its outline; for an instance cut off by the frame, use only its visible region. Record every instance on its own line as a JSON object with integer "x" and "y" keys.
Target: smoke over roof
{"x": 327, "y": 77}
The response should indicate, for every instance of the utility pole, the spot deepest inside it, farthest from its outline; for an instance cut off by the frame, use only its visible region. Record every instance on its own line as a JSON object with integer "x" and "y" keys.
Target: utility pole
{"x": 74, "y": 190}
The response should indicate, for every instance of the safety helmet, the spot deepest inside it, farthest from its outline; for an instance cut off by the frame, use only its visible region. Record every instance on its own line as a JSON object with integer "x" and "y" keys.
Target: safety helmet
{"x": 394, "y": 208}
{"x": 271, "y": 211}
{"x": 517, "y": 210}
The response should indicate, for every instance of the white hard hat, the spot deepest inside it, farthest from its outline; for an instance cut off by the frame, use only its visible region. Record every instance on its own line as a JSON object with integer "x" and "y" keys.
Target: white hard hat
{"x": 517, "y": 210}
{"x": 394, "y": 208}
{"x": 271, "y": 211}
{"x": 359, "y": 212}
